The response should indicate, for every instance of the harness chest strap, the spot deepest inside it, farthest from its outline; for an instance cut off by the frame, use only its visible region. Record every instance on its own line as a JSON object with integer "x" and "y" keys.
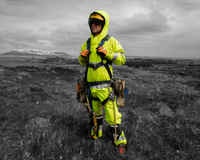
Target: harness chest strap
{"x": 97, "y": 65}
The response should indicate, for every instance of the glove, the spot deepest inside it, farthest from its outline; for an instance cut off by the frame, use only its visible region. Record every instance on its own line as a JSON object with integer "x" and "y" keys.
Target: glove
{"x": 101, "y": 51}
{"x": 85, "y": 53}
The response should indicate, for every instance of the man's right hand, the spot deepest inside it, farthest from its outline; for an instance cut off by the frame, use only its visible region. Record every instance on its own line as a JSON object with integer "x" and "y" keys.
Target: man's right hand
{"x": 85, "y": 53}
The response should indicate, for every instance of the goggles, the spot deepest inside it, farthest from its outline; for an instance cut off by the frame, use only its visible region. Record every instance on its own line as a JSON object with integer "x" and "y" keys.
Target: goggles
{"x": 95, "y": 21}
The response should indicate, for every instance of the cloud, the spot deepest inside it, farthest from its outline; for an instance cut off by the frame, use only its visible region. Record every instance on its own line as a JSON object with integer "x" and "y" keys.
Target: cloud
{"x": 19, "y": 2}
{"x": 19, "y": 8}
{"x": 45, "y": 42}
{"x": 11, "y": 44}
{"x": 22, "y": 38}
{"x": 141, "y": 26}
{"x": 142, "y": 23}
{"x": 19, "y": 34}
{"x": 188, "y": 5}
{"x": 70, "y": 34}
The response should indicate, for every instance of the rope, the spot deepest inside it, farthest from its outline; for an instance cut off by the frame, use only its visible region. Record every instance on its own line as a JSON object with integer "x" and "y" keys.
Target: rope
{"x": 115, "y": 137}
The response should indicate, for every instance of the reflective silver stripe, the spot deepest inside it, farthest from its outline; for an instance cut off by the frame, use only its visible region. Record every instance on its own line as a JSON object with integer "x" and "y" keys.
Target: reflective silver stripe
{"x": 99, "y": 117}
{"x": 93, "y": 63}
{"x": 115, "y": 57}
{"x": 116, "y": 54}
{"x": 120, "y": 139}
{"x": 100, "y": 86}
{"x": 100, "y": 128}
{"x": 114, "y": 125}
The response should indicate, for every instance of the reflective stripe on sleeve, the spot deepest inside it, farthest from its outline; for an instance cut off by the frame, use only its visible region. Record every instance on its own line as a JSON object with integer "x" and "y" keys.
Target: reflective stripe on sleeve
{"x": 116, "y": 54}
{"x": 115, "y": 57}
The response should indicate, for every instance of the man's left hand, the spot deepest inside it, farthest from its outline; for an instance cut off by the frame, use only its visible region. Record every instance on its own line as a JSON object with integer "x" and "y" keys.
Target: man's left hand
{"x": 101, "y": 51}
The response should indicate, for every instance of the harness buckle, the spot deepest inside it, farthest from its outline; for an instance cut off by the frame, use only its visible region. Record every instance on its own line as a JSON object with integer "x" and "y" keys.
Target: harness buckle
{"x": 111, "y": 95}
{"x": 94, "y": 66}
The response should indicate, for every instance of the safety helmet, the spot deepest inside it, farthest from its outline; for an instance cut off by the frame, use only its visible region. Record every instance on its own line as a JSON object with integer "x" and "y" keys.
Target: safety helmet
{"x": 97, "y": 19}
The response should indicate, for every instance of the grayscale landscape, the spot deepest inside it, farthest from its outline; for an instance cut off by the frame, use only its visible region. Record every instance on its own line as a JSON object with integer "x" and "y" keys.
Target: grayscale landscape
{"x": 40, "y": 117}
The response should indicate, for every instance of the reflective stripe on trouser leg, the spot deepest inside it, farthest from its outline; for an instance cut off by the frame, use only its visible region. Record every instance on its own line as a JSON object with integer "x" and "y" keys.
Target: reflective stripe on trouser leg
{"x": 121, "y": 139}
{"x": 100, "y": 125}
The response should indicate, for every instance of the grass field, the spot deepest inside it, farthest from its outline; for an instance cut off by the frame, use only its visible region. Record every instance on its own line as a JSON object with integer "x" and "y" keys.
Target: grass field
{"x": 40, "y": 118}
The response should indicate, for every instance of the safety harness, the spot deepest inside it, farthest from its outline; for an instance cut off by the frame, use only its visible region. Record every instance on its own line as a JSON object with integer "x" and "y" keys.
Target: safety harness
{"x": 96, "y": 66}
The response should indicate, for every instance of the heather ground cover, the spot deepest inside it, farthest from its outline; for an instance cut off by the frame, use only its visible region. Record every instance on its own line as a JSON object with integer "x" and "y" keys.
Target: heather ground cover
{"x": 41, "y": 119}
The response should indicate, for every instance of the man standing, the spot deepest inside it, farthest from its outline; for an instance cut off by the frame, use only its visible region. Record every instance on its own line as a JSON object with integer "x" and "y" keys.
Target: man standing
{"x": 98, "y": 54}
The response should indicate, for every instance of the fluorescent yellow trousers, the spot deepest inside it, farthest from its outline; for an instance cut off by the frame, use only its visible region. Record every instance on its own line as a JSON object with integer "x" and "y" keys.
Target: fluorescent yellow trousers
{"x": 102, "y": 94}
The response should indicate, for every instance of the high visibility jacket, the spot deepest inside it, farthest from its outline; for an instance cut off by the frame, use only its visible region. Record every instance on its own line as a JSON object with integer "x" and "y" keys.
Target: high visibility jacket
{"x": 115, "y": 53}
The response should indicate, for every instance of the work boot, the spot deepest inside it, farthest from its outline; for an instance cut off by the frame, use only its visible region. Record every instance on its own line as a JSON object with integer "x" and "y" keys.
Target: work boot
{"x": 120, "y": 134}
{"x": 121, "y": 149}
{"x": 121, "y": 144}
{"x": 93, "y": 135}
{"x": 98, "y": 134}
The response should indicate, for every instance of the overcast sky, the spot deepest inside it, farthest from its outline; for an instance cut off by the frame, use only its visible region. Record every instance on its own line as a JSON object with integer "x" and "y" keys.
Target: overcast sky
{"x": 161, "y": 28}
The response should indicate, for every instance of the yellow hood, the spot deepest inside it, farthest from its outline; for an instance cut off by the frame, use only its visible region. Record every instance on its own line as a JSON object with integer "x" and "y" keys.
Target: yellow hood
{"x": 104, "y": 31}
